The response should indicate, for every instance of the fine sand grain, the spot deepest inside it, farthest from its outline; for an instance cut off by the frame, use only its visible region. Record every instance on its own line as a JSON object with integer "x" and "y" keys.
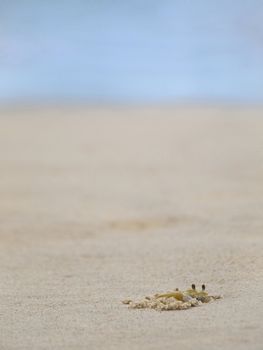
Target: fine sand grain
{"x": 98, "y": 205}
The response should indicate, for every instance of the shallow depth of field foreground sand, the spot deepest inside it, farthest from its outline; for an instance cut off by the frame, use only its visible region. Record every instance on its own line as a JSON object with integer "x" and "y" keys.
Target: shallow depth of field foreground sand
{"x": 98, "y": 205}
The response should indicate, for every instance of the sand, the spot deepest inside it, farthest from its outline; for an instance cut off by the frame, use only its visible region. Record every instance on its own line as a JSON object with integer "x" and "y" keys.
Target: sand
{"x": 101, "y": 204}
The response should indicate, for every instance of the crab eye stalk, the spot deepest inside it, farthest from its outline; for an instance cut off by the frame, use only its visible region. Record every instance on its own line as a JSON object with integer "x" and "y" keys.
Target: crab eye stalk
{"x": 203, "y": 287}
{"x": 193, "y": 286}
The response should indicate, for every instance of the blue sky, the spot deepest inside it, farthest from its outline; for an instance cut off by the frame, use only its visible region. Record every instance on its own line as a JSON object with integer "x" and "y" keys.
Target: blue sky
{"x": 131, "y": 51}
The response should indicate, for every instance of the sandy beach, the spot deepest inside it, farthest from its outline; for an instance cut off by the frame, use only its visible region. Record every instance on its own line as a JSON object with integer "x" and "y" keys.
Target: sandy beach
{"x": 101, "y": 204}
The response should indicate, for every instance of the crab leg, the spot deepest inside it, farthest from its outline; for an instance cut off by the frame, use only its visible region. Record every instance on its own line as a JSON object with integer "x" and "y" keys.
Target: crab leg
{"x": 176, "y": 295}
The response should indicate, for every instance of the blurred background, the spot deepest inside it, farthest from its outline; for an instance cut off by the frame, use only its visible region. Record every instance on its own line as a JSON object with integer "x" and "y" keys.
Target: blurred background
{"x": 104, "y": 51}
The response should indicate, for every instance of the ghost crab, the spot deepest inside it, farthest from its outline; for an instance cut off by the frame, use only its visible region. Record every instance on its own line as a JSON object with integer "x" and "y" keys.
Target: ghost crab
{"x": 188, "y": 294}
{"x": 175, "y": 300}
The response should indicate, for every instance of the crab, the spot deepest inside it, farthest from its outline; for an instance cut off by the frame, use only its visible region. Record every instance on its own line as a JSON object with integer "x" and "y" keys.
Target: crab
{"x": 176, "y": 300}
{"x": 187, "y": 295}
